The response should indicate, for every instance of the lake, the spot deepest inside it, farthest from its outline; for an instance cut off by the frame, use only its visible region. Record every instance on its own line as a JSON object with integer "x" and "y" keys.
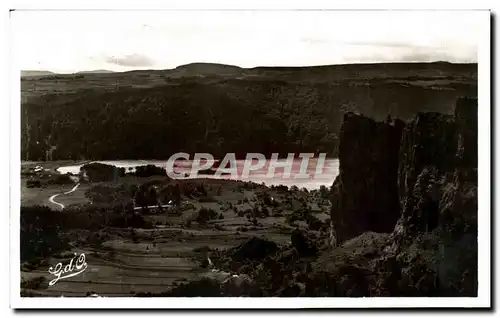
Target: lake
{"x": 317, "y": 177}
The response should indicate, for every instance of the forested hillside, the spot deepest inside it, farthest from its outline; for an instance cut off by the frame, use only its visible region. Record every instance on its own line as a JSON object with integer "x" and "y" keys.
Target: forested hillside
{"x": 152, "y": 114}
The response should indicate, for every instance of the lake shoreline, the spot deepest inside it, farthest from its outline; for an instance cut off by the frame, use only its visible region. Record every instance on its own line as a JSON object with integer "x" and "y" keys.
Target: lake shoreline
{"x": 313, "y": 180}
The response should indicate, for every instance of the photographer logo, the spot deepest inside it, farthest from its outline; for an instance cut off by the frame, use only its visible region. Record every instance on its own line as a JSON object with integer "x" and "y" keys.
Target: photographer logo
{"x": 76, "y": 266}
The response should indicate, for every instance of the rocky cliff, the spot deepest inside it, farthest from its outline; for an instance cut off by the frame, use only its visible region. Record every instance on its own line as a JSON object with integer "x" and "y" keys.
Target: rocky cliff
{"x": 365, "y": 194}
{"x": 432, "y": 249}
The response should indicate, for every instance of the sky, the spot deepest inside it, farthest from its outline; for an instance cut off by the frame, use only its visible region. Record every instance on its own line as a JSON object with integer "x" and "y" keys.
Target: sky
{"x": 71, "y": 41}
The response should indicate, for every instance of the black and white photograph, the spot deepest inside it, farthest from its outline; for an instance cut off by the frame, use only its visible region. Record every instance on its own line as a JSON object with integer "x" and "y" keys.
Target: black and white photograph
{"x": 272, "y": 156}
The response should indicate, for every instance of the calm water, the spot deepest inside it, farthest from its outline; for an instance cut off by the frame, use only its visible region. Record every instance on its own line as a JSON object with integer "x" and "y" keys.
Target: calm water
{"x": 317, "y": 177}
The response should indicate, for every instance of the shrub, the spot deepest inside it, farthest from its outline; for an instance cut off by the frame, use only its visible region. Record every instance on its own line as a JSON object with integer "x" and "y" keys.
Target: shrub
{"x": 290, "y": 219}
{"x": 60, "y": 179}
{"x": 99, "y": 172}
{"x": 314, "y": 223}
{"x": 205, "y": 215}
{"x": 33, "y": 184}
{"x": 202, "y": 249}
{"x": 149, "y": 170}
{"x": 219, "y": 227}
{"x": 265, "y": 198}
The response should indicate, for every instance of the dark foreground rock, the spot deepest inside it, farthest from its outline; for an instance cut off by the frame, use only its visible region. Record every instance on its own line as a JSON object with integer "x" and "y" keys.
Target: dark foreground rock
{"x": 439, "y": 202}
{"x": 365, "y": 194}
{"x": 432, "y": 250}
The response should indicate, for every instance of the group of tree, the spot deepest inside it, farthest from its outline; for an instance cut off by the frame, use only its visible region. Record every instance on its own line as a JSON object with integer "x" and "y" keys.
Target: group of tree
{"x": 43, "y": 180}
{"x": 126, "y": 196}
{"x": 99, "y": 172}
{"x": 40, "y": 232}
{"x": 149, "y": 171}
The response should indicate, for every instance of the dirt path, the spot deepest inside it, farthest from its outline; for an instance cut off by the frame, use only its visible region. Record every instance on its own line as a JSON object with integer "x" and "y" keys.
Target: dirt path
{"x": 51, "y": 199}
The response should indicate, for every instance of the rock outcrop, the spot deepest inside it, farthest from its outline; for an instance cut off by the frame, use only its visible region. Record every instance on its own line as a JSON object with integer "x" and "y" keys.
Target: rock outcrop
{"x": 365, "y": 194}
{"x": 438, "y": 170}
{"x": 432, "y": 250}
{"x": 438, "y": 182}
{"x": 429, "y": 140}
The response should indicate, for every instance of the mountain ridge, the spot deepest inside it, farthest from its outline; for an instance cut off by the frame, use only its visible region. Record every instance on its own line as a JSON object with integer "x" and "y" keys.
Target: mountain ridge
{"x": 213, "y": 67}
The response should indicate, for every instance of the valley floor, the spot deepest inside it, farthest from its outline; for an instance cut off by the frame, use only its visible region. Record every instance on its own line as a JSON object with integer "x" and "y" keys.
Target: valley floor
{"x": 152, "y": 260}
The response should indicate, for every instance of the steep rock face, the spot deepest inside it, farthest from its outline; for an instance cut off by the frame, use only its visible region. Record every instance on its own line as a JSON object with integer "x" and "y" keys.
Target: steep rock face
{"x": 429, "y": 140}
{"x": 365, "y": 195}
{"x": 432, "y": 250}
{"x": 427, "y": 152}
{"x": 438, "y": 170}
{"x": 438, "y": 186}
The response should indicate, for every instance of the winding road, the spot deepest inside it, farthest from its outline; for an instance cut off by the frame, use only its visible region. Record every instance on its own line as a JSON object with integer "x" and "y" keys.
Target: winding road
{"x": 51, "y": 199}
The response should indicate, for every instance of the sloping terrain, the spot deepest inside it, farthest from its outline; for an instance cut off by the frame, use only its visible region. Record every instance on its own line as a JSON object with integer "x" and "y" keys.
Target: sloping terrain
{"x": 220, "y": 109}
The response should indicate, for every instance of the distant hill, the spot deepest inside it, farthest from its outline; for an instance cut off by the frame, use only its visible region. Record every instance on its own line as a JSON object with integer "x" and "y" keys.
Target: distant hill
{"x": 94, "y": 72}
{"x": 27, "y": 73}
{"x": 194, "y": 69}
{"x": 36, "y": 73}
